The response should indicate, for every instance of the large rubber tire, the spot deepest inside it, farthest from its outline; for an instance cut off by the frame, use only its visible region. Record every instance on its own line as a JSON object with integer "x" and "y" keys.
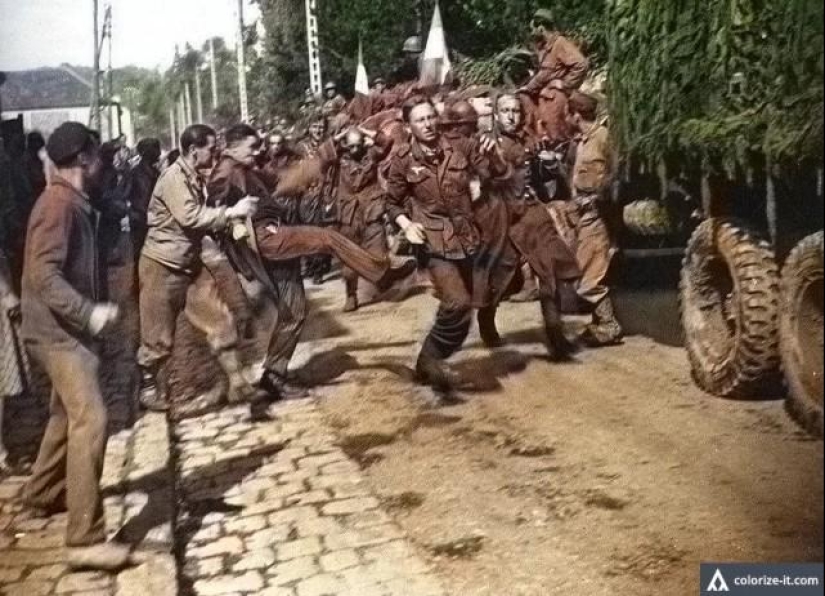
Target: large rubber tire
{"x": 801, "y": 332}
{"x": 729, "y": 296}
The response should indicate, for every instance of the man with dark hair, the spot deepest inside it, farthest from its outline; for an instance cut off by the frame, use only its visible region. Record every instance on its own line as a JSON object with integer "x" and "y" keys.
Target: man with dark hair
{"x": 270, "y": 250}
{"x": 592, "y": 174}
{"x": 35, "y": 143}
{"x": 562, "y": 70}
{"x": 430, "y": 198}
{"x": 316, "y": 206}
{"x": 62, "y": 319}
{"x": 172, "y": 274}
{"x": 142, "y": 180}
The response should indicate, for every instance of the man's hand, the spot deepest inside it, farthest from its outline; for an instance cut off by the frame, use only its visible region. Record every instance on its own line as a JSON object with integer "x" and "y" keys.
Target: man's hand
{"x": 103, "y": 316}
{"x": 489, "y": 145}
{"x": 10, "y": 304}
{"x": 557, "y": 84}
{"x": 414, "y": 232}
{"x": 246, "y": 207}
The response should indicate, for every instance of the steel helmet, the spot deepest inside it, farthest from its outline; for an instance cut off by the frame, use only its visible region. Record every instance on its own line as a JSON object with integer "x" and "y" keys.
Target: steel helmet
{"x": 413, "y": 45}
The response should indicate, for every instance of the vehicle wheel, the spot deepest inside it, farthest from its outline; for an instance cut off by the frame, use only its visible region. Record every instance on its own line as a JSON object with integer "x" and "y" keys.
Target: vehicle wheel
{"x": 801, "y": 332}
{"x": 729, "y": 295}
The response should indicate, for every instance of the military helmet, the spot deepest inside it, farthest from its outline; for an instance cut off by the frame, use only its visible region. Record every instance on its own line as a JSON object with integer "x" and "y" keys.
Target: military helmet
{"x": 413, "y": 45}
{"x": 330, "y": 86}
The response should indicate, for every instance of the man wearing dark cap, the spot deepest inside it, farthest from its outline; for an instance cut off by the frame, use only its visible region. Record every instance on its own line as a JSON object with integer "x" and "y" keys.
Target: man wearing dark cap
{"x": 562, "y": 69}
{"x": 63, "y": 318}
{"x": 591, "y": 180}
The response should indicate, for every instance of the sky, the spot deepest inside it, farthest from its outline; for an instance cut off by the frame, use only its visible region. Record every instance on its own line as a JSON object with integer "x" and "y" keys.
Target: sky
{"x": 36, "y": 33}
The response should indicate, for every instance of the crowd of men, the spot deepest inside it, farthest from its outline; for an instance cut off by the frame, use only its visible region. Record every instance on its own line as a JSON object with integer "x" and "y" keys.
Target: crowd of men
{"x": 478, "y": 184}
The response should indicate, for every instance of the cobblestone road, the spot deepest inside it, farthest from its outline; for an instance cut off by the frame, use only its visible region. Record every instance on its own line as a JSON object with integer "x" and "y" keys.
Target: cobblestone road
{"x": 277, "y": 509}
{"x": 273, "y": 508}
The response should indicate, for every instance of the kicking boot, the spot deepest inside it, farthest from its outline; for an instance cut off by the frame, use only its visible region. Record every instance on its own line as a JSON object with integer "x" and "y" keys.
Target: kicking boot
{"x": 396, "y": 273}
{"x": 152, "y": 397}
{"x": 278, "y": 388}
{"x": 431, "y": 371}
{"x": 351, "y": 304}
{"x": 530, "y": 290}
{"x": 487, "y": 328}
{"x": 239, "y": 390}
{"x": 605, "y": 329}
{"x": 107, "y": 556}
{"x": 559, "y": 348}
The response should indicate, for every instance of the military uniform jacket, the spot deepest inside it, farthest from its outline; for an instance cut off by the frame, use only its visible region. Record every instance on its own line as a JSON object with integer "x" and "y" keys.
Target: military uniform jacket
{"x": 435, "y": 192}
{"x": 562, "y": 61}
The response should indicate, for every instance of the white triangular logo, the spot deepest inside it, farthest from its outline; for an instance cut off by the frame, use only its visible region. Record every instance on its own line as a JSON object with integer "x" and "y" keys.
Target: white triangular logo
{"x": 718, "y": 583}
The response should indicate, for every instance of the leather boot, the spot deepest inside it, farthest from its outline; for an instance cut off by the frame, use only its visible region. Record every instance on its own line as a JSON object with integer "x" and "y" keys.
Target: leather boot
{"x": 487, "y": 327}
{"x": 351, "y": 304}
{"x": 395, "y": 274}
{"x": 153, "y": 396}
{"x": 558, "y": 347}
{"x": 279, "y": 388}
{"x": 605, "y": 330}
{"x": 530, "y": 291}
{"x": 431, "y": 371}
{"x": 107, "y": 556}
{"x": 239, "y": 388}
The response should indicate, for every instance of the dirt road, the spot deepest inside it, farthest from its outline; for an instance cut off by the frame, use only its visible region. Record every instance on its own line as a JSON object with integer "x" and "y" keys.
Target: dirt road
{"x": 609, "y": 475}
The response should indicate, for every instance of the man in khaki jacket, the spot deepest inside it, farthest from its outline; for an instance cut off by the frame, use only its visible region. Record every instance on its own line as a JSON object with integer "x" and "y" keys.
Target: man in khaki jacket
{"x": 592, "y": 174}
{"x": 172, "y": 274}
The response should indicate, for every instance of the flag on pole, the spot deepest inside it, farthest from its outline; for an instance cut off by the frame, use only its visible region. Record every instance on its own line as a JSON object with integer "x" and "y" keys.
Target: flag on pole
{"x": 362, "y": 82}
{"x": 436, "y": 65}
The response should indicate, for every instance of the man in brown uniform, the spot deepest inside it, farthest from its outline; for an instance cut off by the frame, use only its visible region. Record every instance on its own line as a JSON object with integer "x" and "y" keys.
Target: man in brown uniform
{"x": 141, "y": 182}
{"x": 356, "y": 155}
{"x": 173, "y": 277}
{"x": 562, "y": 69}
{"x": 430, "y": 199}
{"x": 62, "y": 319}
{"x": 592, "y": 174}
{"x": 271, "y": 249}
{"x": 531, "y": 231}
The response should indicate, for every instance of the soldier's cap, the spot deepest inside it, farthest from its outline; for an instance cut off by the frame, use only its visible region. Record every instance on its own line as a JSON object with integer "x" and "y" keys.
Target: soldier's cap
{"x": 460, "y": 112}
{"x": 584, "y": 104}
{"x": 379, "y": 81}
{"x": 544, "y": 16}
{"x": 330, "y": 85}
{"x": 69, "y": 140}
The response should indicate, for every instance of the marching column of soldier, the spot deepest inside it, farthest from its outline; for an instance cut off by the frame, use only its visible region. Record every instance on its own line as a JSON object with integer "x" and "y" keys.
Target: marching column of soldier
{"x": 475, "y": 199}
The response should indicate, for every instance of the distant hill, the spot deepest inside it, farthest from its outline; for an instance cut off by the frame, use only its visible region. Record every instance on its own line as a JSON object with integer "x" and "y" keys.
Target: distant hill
{"x": 62, "y": 87}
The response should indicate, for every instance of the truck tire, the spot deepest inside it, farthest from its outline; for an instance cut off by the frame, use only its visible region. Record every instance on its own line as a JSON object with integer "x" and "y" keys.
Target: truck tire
{"x": 801, "y": 332}
{"x": 729, "y": 297}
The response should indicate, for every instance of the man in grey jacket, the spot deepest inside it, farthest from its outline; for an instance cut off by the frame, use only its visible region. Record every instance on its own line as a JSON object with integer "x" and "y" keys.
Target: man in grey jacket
{"x": 172, "y": 274}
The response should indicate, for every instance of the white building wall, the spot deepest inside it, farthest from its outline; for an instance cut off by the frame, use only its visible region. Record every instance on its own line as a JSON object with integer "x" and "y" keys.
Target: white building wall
{"x": 47, "y": 120}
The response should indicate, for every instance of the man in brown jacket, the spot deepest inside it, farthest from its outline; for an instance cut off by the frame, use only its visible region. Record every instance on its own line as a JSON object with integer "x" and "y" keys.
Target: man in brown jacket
{"x": 430, "y": 198}
{"x": 62, "y": 319}
{"x": 270, "y": 252}
{"x": 356, "y": 154}
{"x": 172, "y": 274}
{"x": 562, "y": 69}
{"x": 531, "y": 231}
{"x": 592, "y": 175}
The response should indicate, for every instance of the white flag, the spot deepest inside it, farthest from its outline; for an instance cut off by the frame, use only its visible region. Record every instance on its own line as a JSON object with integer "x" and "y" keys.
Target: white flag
{"x": 362, "y": 82}
{"x": 436, "y": 64}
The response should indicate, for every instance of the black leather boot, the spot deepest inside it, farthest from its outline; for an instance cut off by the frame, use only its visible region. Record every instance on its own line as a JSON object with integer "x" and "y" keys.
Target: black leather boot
{"x": 487, "y": 327}
{"x": 558, "y": 346}
{"x": 278, "y": 388}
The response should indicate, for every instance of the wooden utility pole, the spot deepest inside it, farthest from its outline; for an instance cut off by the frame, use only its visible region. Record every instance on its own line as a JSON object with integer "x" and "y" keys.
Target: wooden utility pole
{"x": 94, "y": 115}
{"x": 242, "y": 92}
{"x": 173, "y": 133}
{"x": 214, "y": 73}
{"x": 187, "y": 99}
